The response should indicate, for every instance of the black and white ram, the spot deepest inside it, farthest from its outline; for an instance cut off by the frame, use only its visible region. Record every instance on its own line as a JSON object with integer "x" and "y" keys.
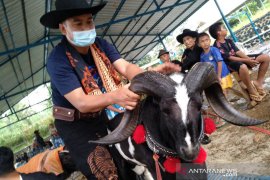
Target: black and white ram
{"x": 172, "y": 119}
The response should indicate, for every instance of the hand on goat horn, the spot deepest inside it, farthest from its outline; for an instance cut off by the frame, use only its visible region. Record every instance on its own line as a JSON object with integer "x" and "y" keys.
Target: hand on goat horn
{"x": 151, "y": 83}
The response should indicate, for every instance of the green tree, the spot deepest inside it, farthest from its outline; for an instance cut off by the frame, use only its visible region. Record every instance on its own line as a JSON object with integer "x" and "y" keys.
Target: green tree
{"x": 254, "y": 5}
{"x": 234, "y": 22}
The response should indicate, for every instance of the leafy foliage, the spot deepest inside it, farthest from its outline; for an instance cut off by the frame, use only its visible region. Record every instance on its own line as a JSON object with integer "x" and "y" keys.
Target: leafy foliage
{"x": 254, "y": 5}
{"x": 254, "y": 8}
{"x": 20, "y": 135}
{"x": 32, "y": 113}
{"x": 234, "y": 22}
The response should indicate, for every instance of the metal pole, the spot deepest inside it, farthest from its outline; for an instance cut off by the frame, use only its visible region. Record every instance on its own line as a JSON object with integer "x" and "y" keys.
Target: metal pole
{"x": 263, "y": 6}
{"x": 161, "y": 41}
{"x": 226, "y": 23}
{"x": 254, "y": 28}
{"x": 239, "y": 19}
{"x": 248, "y": 10}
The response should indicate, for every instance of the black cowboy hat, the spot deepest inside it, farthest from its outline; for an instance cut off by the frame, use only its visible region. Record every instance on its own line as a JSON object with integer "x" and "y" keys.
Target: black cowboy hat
{"x": 161, "y": 52}
{"x": 186, "y": 32}
{"x": 66, "y": 9}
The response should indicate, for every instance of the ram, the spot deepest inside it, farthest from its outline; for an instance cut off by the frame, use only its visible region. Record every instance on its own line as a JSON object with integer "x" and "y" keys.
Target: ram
{"x": 172, "y": 119}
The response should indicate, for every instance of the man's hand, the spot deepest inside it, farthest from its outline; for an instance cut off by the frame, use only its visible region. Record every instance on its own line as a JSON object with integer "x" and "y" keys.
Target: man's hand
{"x": 125, "y": 98}
{"x": 166, "y": 68}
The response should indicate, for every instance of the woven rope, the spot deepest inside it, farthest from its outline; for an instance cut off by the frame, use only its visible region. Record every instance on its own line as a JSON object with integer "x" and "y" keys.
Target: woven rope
{"x": 102, "y": 165}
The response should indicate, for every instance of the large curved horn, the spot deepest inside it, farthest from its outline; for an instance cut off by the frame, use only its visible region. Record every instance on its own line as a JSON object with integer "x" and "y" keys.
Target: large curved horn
{"x": 223, "y": 108}
{"x": 200, "y": 77}
{"x": 153, "y": 83}
{"x": 125, "y": 128}
{"x": 203, "y": 77}
{"x": 150, "y": 83}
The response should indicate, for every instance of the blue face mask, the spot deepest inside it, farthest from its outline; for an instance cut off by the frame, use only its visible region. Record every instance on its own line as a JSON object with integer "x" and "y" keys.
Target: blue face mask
{"x": 83, "y": 38}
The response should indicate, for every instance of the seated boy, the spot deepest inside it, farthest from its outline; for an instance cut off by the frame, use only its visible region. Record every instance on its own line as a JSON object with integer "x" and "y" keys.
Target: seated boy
{"x": 212, "y": 55}
{"x": 239, "y": 62}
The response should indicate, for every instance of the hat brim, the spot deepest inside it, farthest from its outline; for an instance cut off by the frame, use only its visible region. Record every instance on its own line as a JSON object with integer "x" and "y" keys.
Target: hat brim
{"x": 180, "y": 37}
{"x": 54, "y": 18}
{"x": 163, "y": 53}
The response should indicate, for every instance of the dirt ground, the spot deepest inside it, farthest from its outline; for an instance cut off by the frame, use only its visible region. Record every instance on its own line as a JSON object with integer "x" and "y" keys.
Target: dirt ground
{"x": 240, "y": 148}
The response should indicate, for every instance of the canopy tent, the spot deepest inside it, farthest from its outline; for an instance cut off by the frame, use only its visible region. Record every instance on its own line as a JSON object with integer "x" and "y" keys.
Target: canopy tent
{"x": 133, "y": 27}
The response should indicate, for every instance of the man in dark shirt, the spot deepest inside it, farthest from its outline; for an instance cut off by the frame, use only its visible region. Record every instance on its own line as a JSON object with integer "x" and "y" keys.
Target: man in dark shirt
{"x": 39, "y": 140}
{"x": 192, "y": 52}
{"x": 85, "y": 80}
{"x": 238, "y": 61}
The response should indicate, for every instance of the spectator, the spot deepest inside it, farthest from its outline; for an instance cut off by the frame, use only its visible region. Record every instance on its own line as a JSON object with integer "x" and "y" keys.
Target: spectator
{"x": 192, "y": 52}
{"x": 52, "y": 130}
{"x": 164, "y": 56}
{"x": 39, "y": 141}
{"x": 238, "y": 61}
{"x": 25, "y": 157}
{"x": 55, "y": 139}
{"x": 212, "y": 55}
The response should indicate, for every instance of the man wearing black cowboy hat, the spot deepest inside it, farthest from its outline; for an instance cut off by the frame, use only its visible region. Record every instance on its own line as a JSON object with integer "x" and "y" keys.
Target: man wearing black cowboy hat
{"x": 84, "y": 72}
{"x": 192, "y": 52}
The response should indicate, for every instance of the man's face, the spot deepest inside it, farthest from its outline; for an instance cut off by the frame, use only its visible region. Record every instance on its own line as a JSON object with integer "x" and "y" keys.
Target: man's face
{"x": 77, "y": 23}
{"x": 204, "y": 42}
{"x": 189, "y": 41}
{"x": 165, "y": 57}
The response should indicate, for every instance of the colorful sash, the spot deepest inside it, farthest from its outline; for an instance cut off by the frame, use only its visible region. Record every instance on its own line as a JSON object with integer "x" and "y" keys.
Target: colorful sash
{"x": 110, "y": 77}
{"x": 111, "y": 80}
